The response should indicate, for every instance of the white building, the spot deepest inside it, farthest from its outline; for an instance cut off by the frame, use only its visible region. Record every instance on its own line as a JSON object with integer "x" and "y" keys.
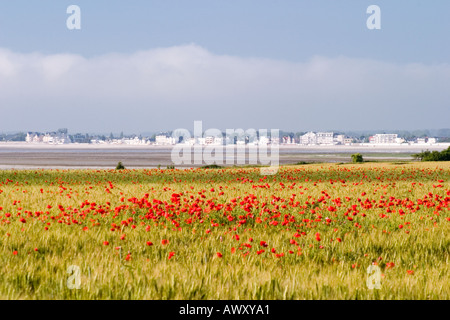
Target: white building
{"x": 29, "y": 137}
{"x": 339, "y": 139}
{"x": 288, "y": 140}
{"x": 134, "y": 141}
{"x": 33, "y": 138}
{"x": 190, "y": 141}
{"x": 274, "y": 141}
{"x": 163, "y": 140}
{"x": 421, "y": 141}
{"x": 322, "y": 138}
{"x": 384, "y": 138}
{"x": 263, "y": 140}
{"x": 49, "y": 138}
{"x": 325, "y": 138}
{"x": 348, "y": 141}
{"x": 211, "y": 140}
{"x": 309, "y": 138}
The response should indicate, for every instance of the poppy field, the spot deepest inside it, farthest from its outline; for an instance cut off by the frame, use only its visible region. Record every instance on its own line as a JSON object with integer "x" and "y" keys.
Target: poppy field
{"x": 308, "y": 232}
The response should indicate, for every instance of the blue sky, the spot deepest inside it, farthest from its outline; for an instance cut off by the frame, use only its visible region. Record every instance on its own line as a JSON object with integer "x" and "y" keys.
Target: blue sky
{"x": 306, "y": 65}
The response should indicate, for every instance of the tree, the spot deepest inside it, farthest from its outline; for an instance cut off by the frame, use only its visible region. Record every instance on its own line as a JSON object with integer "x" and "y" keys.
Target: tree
{"x": 444, "y": 155}
{"x": 120, "y": 166}
{"x": 357, "y": 158}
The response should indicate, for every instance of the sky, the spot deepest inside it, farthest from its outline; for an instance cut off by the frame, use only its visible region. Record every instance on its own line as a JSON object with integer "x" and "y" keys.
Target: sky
{"x": 298, "y": 65}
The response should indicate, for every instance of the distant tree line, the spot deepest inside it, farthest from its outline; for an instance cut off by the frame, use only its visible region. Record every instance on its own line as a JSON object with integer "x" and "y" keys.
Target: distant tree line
{"x": 13, "y": 137}
{"x": 433, "y": 155}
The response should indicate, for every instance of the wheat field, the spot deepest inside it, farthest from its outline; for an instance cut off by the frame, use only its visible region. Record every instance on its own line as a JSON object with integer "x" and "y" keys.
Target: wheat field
{"x": 308, "y": 232}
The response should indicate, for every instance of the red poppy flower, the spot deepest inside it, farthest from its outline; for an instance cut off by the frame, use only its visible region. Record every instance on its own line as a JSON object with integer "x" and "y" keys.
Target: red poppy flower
{"x": 219, "y": 254}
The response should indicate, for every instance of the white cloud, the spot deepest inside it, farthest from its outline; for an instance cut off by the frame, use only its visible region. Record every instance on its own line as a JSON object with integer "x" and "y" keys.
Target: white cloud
{"x": 166, "y": 88}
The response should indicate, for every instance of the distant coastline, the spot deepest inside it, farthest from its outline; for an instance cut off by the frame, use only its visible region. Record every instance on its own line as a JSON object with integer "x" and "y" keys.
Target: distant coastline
{"x": 22, "y": 155}
{"x": 330, "y": 148}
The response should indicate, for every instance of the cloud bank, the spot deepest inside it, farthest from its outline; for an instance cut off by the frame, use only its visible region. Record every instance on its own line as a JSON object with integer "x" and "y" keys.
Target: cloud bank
{"x": 169, "y": 88}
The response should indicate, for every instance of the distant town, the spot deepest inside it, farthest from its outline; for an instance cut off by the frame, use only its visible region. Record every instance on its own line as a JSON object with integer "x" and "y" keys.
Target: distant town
{"x": 62, "y": 137}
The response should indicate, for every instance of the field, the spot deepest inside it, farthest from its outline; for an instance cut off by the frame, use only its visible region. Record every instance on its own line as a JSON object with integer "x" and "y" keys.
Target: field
{"x": 309, "y": 232}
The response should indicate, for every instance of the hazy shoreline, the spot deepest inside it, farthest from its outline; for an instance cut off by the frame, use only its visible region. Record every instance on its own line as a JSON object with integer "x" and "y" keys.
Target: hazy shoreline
{"x": 333, "y": 148}
{"x": 88, "y": 156}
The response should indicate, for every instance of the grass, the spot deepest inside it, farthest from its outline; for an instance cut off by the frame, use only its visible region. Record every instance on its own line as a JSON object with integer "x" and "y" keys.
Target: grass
{"x": 381, "y": 212}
